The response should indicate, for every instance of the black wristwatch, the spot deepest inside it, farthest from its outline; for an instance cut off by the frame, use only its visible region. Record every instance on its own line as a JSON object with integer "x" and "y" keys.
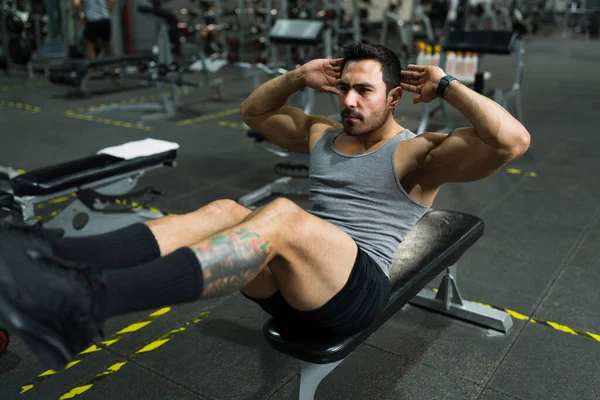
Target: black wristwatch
{"x": 443, "y": 85}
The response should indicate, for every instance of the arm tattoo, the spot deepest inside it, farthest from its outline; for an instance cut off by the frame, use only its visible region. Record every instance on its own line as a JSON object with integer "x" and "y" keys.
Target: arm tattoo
{"x": 230, "y": 261}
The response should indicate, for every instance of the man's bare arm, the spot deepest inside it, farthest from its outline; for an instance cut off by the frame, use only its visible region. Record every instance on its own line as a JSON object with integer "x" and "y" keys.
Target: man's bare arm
{"x": 494, "y": 125}
{"x": 495, "y": 139}
{"x": 265, "y": 110}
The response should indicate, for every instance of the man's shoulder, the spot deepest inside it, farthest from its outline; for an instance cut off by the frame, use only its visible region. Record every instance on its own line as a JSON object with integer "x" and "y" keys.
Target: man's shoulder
{"x": 322, "y": 127}
{"x": 412, "y": 152}
{"x": 424, "y": 141}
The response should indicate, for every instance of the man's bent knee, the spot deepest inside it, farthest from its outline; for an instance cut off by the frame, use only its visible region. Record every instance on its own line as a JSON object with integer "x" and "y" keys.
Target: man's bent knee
{"x": 284, "y": 210}
{"x": 226, "y": 208}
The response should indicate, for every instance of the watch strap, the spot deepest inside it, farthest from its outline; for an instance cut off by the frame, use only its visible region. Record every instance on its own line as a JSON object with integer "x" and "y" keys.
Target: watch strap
{"x": 443, "y": 85}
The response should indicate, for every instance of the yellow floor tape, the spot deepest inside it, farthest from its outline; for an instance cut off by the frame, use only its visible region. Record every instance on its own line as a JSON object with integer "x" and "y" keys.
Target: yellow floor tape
{"x": 20, "y": 106}
{"x": 94, "y": 349}
{"x": 155, "y": 344}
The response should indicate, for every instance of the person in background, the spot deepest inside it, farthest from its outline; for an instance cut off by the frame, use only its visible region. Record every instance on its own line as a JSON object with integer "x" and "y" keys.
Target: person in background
{"x": 95, "y": 15}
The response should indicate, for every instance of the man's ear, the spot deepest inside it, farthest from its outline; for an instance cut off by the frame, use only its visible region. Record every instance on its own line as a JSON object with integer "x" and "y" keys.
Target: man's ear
{"x": 394, "y": 96}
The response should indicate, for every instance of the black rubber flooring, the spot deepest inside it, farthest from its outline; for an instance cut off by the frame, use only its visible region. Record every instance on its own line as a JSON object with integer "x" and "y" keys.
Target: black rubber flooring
{"x": 537, "y": 257}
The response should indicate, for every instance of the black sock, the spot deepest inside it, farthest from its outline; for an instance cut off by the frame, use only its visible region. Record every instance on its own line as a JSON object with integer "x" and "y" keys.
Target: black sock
{"x": 173, "y": 279}
{"x": 132, "y": 245}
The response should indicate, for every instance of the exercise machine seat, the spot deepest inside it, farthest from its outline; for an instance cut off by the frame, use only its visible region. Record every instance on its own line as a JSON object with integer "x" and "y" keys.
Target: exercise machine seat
{"x": 297, "y": 32}
{"x": 483, "y": 42}
{"x": 83, "y": 171}
{"x": 436, "y": 242}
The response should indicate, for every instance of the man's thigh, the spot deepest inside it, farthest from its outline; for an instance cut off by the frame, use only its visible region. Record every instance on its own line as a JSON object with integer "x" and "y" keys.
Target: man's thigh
{"x": 315, "y": 263}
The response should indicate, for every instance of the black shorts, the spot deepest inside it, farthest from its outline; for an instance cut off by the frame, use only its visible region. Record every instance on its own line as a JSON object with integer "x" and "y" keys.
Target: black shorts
{"x": 350, "y": 311}
{"x": 95, "y": 30}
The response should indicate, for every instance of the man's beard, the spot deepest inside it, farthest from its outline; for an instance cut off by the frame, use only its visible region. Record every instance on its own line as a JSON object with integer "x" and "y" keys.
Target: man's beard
{"x": 362, "y": 126}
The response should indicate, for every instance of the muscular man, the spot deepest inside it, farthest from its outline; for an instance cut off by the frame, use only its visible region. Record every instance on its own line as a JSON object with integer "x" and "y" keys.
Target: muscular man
{"x": 96, "y": 19}
{"x": 326, "y": 269}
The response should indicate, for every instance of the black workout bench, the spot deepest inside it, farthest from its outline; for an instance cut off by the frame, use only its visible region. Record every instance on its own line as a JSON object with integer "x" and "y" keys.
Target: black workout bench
{"x": 435, "y": 244}
{"x": 77, "y": 72}
{"x": 89, "y": 195}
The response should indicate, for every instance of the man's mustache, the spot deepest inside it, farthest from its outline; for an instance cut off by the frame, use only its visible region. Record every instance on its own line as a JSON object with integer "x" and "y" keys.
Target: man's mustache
{"x": 347, "y": 112}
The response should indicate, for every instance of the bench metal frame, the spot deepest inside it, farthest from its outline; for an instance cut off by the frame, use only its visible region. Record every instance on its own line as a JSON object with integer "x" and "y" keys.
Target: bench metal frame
{"x": 447, "y": 301}
{"x": 99, "y": 217}
{"x": 90, "y": 209}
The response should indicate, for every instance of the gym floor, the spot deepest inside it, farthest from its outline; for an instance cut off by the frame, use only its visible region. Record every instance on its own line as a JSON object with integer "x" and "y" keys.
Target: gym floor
{"x": 535, "y": 259}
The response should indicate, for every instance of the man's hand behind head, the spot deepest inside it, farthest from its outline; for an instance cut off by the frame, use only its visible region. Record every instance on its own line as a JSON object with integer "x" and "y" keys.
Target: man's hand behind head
{"x": 323, "y": 75}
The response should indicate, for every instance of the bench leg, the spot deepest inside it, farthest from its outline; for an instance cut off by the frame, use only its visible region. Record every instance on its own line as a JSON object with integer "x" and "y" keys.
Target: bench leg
{"x": 311, "y": 376}
{"x": 8, "y": 173}
{"x": 448, "y": 301}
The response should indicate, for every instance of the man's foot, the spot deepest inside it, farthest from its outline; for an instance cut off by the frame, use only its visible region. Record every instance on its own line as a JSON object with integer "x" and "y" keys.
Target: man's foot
{"x": 50, "y": 302}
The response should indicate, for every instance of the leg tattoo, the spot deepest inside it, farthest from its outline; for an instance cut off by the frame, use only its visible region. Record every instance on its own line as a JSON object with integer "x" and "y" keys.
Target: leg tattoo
{"x": 230, "y": 261}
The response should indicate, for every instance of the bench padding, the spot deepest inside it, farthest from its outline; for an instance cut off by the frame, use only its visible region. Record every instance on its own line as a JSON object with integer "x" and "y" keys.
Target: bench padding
{"x": 83, "y": 171}
{"x": 435, "y": 243}
{"x": 297, "y": 32}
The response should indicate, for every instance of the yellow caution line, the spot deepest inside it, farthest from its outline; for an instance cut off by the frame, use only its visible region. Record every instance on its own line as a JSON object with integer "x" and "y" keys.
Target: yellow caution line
{"x": 234, "y": 125}
{"x": 155, "y": 344}
{"x": 106, "y": 121}
{"x": 94, "y": 349}
{"x": 24, "y": 86}
{"x": 516, "y": 171}
{"x": 21, "y": 106}
{"x": 135, "y": 100}
{"x": 208, "y": 117}
{"x": 554, "y": 325}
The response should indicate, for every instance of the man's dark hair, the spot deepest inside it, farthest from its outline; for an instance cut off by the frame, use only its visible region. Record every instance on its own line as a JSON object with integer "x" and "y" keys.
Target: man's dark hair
{"x": 390, "y": 63}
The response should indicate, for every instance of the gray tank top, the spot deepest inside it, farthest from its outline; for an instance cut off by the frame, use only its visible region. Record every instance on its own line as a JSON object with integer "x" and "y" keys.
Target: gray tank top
{"x": 362, "y": 195}
{"x": 95, "y": 10}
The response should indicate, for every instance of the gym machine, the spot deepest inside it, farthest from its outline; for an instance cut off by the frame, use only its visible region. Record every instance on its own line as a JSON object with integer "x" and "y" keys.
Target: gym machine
{"x": 166, "y": 72}
{"x": 16, "y": 41}
{"x": 56, "y": 30}
{"x": 405, "y": 30}
{"x": 294, "y": 173}
{"x": 89, "y": 195}
{"x": 582, "y": 17}
{"x": 482, "y": 42}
